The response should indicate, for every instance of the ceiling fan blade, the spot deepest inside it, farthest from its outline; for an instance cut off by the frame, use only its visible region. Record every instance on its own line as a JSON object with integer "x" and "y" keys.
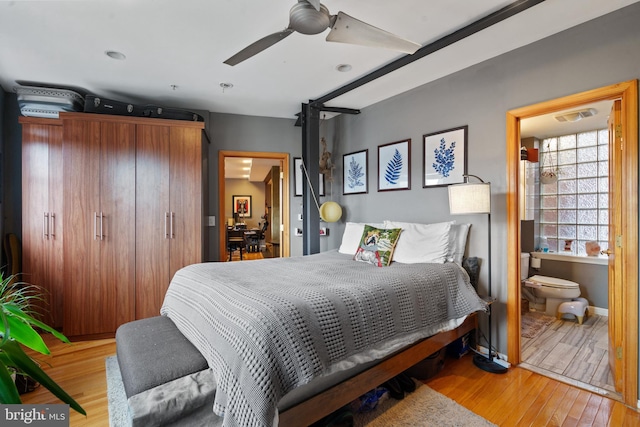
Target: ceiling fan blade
{"x": 314, "y": 3}
{"x": 259, "y": 46}
{"x": 346, "y": 29}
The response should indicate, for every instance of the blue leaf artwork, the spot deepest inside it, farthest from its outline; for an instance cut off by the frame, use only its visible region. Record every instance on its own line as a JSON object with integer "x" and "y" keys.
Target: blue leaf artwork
{"x": 354, "y": 174}
{"x": 394, "y": 167}
{"x": 445, "y": 158}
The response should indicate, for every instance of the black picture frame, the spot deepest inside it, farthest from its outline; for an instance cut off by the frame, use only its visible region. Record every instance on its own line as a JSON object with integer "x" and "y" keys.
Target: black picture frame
{"x": 241, "y": 203}
{"x": 394, "y": 166}
{"x": 355, "y": 167}
{"x": 444, "y": 157}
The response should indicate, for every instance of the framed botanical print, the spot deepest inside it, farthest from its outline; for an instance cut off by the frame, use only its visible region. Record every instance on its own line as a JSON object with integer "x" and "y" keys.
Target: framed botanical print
{"x": 394, "y": 166}
{"x": 355, "y": 166}
{"x": 445, "y": 157}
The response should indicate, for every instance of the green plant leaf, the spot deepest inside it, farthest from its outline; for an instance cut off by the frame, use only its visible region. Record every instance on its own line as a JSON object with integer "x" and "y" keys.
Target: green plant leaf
{"x": 28, "y": 366}
{"x": 8, "y": 390}
{"x": 25, "y": 334}
{"x": 16, "y": 311}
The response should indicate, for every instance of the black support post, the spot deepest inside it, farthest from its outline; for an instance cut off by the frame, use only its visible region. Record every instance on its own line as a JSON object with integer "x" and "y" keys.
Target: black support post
{"x": 311, "y": 158}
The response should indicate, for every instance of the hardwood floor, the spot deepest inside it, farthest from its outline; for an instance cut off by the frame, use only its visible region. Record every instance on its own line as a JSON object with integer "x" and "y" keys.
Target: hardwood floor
{"x": 573, "y": 353}
{"x": 518, "y": 398}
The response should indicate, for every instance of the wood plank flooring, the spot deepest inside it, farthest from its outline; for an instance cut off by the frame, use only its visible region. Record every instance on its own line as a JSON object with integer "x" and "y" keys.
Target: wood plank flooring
{"x": 574, "y": 353}
{"x": 518, "y": 398}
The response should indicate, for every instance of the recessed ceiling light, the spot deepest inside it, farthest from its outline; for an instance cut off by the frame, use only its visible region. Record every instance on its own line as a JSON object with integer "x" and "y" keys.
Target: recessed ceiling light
{"x": 225, "y": 86}
{"x": 343, "y": 68}
{"x": 116, "y": 55}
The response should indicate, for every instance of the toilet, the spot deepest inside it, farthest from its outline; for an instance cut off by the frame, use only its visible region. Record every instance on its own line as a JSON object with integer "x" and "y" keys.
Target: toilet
{"x": 546, "y": 293}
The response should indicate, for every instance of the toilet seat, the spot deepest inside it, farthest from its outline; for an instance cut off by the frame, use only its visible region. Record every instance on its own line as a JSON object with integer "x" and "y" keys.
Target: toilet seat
{"x": 553, "y": 282}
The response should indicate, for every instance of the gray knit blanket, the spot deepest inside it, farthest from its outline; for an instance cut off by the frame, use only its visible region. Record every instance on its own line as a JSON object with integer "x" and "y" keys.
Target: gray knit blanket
{"x": 268, "y": 326}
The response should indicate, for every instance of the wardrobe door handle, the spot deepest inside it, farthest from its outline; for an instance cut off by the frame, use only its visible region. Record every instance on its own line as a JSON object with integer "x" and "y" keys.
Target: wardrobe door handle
{"x": 166, "y": 225}
{"x": 52, "y": 219}
{"x": 101, "y": 221}
{"x": 45, "y": 226}
{"x": 171, "y": 223}
{"x": 95, "y": 226}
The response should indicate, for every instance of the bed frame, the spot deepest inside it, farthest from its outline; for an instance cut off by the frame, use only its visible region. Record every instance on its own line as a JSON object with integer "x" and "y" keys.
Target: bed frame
{"x": 320, "y": 405}
{"x": 141, "y": 362}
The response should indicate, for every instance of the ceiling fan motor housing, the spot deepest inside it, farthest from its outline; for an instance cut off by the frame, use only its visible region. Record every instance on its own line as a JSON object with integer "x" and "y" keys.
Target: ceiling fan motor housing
{"x": 305, "y": 19}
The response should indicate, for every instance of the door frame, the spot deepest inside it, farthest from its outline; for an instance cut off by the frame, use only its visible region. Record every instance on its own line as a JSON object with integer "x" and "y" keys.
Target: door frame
{"x": 628, "y": 93}
{"x": 284, "y": 197}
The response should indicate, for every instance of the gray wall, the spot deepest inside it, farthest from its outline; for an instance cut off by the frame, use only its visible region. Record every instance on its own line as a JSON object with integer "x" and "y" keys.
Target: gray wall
{"x": 592, "y": 278}
{"x": 11, "y": 166}
{"x": 250, "y": 133}
{"x": 594, "y": 54}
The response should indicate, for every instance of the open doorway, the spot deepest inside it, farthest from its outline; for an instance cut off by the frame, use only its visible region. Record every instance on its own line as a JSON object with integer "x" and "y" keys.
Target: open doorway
{"x": 623, "y": 258}
{"x": 564, "y": 211}
{"x": 253, "y": 191}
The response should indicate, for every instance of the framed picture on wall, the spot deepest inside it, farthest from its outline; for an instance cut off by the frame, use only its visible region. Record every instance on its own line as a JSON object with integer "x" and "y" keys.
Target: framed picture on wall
{"x": 299, "y": 179}
{"x": 354, "y": 169}
{"x": 445, "y": 157}
{"x": 242, "y": 206}
{"x": 394, "y": 166}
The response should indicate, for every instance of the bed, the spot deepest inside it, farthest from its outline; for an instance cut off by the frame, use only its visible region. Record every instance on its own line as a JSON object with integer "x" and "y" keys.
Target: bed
{"x": 287, "y": 341}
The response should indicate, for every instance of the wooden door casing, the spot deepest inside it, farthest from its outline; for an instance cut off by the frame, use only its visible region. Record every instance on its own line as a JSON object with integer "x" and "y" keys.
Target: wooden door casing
{"x": 615, "y": 253}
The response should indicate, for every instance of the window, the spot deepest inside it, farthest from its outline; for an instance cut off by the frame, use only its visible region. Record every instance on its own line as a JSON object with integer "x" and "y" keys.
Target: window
{"x": 576, "y": 206}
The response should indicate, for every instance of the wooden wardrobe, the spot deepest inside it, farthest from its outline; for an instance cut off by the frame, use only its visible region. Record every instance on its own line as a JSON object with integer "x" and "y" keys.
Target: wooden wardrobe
{"x": 132, "y": 215}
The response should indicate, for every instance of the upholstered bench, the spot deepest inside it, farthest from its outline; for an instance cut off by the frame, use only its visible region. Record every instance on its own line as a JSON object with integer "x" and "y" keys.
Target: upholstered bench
{"x": 577, "y": 307}
{"x": 152, "y": 352}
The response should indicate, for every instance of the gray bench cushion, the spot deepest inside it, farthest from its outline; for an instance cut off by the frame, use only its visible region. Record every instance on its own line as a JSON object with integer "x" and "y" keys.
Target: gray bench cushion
{"x": 152, "y": 352}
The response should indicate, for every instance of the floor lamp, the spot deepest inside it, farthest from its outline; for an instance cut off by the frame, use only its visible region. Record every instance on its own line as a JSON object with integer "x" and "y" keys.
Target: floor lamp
{"x": 475, "y": 198}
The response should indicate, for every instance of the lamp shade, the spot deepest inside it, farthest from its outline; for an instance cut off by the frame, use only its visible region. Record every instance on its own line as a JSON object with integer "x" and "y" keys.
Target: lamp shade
{"x": 330, "y": 212}
{"x": 470, "y": 198}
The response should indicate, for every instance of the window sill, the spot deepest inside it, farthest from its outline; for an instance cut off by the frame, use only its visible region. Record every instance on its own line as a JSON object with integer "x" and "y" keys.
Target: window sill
{"x": 571, "y": 257}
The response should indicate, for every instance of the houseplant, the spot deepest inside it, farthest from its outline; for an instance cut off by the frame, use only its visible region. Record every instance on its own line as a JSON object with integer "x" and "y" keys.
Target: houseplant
{"x": 17, "y": 324}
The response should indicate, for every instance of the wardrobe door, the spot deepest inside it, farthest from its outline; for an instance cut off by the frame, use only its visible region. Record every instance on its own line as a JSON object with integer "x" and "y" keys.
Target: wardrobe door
{"x": 186, "y": 197}
{"x": 99, "y": 250}
{"x": 42, "y": 213}
{"x": 153, "y": 219}
{"x": 117, "y": 224}
{"x": 83, "y": 297}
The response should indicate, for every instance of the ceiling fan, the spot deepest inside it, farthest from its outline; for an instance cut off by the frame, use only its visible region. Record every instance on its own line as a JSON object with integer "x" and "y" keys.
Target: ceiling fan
{"x": 311, "y": 17}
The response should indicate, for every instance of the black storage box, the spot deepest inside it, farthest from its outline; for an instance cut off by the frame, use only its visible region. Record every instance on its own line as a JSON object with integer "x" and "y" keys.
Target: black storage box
{"x": 428, "y": 367}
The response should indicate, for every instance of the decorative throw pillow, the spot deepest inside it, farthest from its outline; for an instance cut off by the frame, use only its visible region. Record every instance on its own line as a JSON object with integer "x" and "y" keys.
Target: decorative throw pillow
{"x": 377, "y": 245}
{"x": 352, "y": 235}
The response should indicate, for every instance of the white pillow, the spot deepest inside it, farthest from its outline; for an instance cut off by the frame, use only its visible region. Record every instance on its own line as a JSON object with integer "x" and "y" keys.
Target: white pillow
{"x": 421, "y": 242}
{"x": 352, "y": 235}
{"x": 457, "y": 242}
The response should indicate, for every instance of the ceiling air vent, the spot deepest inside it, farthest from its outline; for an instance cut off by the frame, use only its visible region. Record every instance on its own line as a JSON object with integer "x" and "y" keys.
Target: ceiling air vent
{"x": 574, "y": 116}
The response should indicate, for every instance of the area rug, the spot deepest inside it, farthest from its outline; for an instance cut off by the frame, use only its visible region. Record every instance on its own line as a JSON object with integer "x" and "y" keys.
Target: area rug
{"x": 424, "y": 407}
{"x": 535, "y": 322}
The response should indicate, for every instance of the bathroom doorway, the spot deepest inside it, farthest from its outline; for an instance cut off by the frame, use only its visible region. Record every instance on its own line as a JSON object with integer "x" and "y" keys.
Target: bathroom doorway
{"x": 623, "y": 262}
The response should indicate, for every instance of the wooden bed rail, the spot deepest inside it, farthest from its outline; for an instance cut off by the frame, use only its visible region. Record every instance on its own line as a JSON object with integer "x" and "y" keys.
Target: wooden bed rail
{"x": 320, "y": 405}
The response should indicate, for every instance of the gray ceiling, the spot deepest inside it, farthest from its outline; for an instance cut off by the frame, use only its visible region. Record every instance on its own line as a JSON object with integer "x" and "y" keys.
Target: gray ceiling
{"x": 175, "y": 49}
